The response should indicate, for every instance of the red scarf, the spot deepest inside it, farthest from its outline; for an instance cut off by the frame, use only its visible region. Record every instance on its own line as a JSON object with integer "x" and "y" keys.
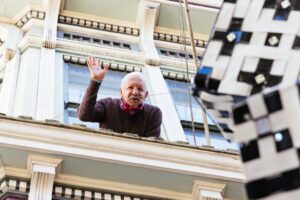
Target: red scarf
{"x": 130, "y": 109}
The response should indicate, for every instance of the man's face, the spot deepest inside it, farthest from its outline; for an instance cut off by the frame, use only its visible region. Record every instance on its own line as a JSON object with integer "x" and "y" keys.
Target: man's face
{"x": 134, "y": 91}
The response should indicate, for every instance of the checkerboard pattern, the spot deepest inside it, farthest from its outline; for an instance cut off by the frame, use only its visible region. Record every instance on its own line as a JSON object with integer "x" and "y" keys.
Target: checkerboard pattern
{"x": 267, "y": 127}
{"x": 255, "y": 46}
{"x": 248, "y": 81}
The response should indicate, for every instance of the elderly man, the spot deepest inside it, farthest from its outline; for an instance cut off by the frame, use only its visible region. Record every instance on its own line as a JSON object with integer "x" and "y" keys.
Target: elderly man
{"x": 127, "y": 114}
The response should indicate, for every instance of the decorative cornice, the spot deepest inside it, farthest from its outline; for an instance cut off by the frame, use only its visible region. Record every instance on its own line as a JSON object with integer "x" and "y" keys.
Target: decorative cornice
{"x": 126, "y": 68}
{"x": 68, "y": 192}
{"x": 122, "y": 55}
{"x": 98, "y": 25}
{"x": 179, "y": 39}
{"x": 94, "y": 185}
{"x": 130, "y": 151}
{"x": 33, "y": 14}
{"x": 13, "y": 184}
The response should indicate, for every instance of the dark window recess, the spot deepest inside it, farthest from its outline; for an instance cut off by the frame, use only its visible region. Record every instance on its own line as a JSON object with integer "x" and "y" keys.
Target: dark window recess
{"x": 116, "y": 44}
{"x": 67, "y": 36}
{"x": 86, "y": 39}
{"x": 182, "y": 55}
{"x": 105, "y": 42}
{"x": 172, "y": 53}
{"x": 76, "y": 37}
{"x": 126, "y": 46}
{"x": 164, "y": 52}
{"x": 96, "y": 41}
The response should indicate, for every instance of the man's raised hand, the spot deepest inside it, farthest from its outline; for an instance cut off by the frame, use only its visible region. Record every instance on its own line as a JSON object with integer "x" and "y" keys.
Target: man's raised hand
{"x": 96, "y": 72}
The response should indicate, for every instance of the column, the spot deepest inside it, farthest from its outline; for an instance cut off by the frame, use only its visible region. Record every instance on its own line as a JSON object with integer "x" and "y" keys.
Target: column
{"x": 43, "y": 171}
{"x": 9, "y": 66}
{"x": 208, "y": 191}
{"x": 46, "y": 105}
{"x": 27, "y": 84}
{"x": 159, "y": 93}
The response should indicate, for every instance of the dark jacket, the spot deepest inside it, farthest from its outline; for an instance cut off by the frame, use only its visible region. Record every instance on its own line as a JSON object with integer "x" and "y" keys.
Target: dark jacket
{"x": 108, "y": 113}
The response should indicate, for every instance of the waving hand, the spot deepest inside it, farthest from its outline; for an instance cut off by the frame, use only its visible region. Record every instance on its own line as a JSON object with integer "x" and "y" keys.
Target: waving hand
{"x": 96, "y": 72}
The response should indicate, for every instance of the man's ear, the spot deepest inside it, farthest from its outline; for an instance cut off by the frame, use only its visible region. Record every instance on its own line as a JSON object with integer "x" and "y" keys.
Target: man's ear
{"x": 146, "y": 94}
{"x": 120, "y": 92}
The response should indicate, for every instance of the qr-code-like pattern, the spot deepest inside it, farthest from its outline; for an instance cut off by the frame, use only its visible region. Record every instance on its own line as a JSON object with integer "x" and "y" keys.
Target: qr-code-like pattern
{"x": 267, "y": 127}
{"x": 248, "y": 75}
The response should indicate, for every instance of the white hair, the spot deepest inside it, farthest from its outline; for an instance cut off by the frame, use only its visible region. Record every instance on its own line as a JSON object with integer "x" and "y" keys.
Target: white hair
{"x": 132, "y": 74}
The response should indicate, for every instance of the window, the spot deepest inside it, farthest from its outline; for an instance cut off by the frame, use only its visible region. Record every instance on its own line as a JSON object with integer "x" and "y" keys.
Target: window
{"x": 181, "y": 92}
{"x": 76, "y": 81}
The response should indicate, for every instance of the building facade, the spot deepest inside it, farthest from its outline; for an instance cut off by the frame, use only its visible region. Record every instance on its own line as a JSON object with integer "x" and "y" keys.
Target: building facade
{"x": 47, "y": 153}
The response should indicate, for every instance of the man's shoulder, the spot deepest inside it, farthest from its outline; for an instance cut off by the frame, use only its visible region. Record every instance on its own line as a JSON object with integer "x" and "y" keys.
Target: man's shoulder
{"x": 151, "y": 107}
{"x": 109, "y": 100}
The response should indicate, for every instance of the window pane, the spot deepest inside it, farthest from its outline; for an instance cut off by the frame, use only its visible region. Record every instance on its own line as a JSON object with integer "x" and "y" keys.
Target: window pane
{"x": 181, "y": 93}
{"x": 217, "y": 140}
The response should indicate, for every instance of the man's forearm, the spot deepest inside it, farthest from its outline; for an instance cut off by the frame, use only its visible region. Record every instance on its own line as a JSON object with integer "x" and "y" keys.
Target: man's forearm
{"x": 86, "y": 109}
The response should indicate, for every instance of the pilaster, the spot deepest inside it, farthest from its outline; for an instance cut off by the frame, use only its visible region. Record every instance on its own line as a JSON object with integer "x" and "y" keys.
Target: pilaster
{"x": 27, "y": 84}
{"x": 9, "y": 65}
{"x": 52, "y": 8}
{"x": 208, "y": 191}
{"x": 46, "y": 89}
{"x": 159, "y": 95}
{"x": 9, "y": 84}
{"x": 148, "y": 13}
{"x": 43, "y": 171}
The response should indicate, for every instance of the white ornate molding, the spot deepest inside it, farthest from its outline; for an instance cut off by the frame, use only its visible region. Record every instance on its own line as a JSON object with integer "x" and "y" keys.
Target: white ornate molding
{"x": 32, "y": 14}
{"x": 147, "y": 16}
{"x": 11, "y": 35}
{"x": 179, "y": 39}
{"x": 155, "y": 192}
{"x": 121, "y": 55}
{"x": 96, "y": 184}
{"x": 43, "y": 171}
{"x": 9, "y": 65}
{"x": 9, "y": 85}
{"x": 174, "y": 75}
{"x": 113, "y": 147}
{"x": 52, "y": 8}
{"x": 97, "y": 25}
{"x": 204, "y": 190}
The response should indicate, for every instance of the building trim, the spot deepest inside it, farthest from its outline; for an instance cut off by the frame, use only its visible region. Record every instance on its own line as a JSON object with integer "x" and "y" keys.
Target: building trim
{"x": 178, "y": 76}
{"x": 97, "y": 184}
{"x": 113, "y": 147}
